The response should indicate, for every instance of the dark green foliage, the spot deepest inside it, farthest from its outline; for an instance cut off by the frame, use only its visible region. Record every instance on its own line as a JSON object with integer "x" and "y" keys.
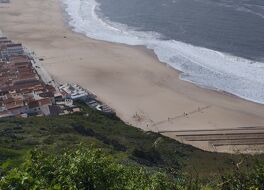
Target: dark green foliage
{"x": 83, "y": 131}
{"x": 89, "y": 132}
{"x": 127, "y": 145}
{"x": 147, "y": 157}
{"x": 83, "y": 169}
{"x": 125, "y": 142}
{"x": 250, "y": 179}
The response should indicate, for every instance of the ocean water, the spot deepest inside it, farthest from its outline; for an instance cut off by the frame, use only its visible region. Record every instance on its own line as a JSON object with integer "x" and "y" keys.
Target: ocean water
{"x": 216, "y": 44}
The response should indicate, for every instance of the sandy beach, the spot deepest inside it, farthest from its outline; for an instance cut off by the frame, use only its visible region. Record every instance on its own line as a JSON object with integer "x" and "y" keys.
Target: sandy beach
{"x": 144, "y": 92}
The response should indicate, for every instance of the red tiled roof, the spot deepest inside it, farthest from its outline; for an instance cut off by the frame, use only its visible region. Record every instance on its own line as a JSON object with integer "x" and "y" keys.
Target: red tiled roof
{"x": 33, "y": 104}
{"x": 19, "y": 59}
{"x": 45, "y": 101}
{"x": 13, "y": 45}
{"x": 16, "y": 103}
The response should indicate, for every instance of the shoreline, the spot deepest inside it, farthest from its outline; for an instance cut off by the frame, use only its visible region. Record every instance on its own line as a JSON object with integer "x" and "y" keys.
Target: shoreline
{"x": 131, "y": 80}
{"x": 238, "y": 81}
{"x": 151, "y": 52}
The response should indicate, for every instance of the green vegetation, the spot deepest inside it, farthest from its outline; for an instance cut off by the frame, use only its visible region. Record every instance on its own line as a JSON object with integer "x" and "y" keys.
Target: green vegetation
{"x": 81, "y": 169}
{"x": 134, "y": 158}
{"x": 252, "y": 178}
{"x": 88, "y": 168}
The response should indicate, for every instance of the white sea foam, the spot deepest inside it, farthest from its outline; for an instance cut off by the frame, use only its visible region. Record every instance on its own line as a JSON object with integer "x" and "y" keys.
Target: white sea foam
{"x": 205, "y": 67}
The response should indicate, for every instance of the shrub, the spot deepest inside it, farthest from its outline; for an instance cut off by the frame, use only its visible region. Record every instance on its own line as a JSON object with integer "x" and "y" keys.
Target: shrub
{"x": 83, "y": 169}
{"x": 250, "y": 179}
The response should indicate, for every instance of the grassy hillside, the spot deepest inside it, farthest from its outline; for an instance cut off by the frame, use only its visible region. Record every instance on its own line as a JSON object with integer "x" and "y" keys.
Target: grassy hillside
{"x": 127, "y": 144}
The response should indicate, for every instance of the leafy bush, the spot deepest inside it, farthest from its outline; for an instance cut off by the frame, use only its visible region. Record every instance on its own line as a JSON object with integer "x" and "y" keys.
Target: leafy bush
{"x": 250, "y": 179}
{"x": 92, "y": 169}
{"x": 83, "y": 169}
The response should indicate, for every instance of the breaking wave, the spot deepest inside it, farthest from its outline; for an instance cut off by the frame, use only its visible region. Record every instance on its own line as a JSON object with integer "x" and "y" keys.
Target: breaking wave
{"x": 204, "y": 67}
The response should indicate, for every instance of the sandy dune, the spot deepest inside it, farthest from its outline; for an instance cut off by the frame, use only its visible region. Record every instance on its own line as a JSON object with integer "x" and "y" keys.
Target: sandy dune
{"x": 143, "y": 91}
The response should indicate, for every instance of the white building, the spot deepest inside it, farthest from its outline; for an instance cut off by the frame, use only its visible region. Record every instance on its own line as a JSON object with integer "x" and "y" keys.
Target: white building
{"x": 74, "y": 92}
